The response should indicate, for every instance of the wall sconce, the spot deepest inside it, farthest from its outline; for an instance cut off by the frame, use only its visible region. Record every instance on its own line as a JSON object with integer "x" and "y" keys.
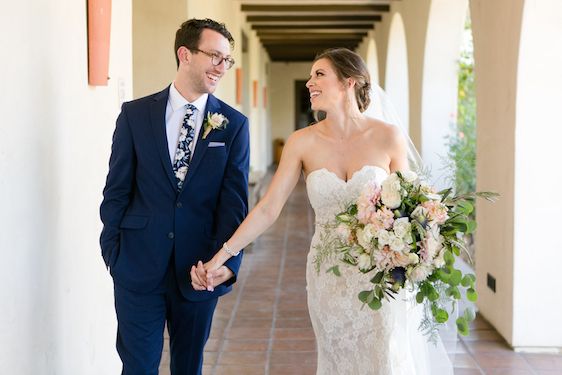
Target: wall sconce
{"x": 99, "y": 26}
{"x": 255, "y": 94}
{"x": 238, "y": 85}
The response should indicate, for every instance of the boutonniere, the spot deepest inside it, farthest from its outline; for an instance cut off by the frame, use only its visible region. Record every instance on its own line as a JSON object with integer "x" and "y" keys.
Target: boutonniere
{"x": 214, "y": 121}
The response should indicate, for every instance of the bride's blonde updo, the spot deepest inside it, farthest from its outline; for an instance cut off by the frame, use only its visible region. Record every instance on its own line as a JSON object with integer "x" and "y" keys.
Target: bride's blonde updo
{"x": 348, "y": 64}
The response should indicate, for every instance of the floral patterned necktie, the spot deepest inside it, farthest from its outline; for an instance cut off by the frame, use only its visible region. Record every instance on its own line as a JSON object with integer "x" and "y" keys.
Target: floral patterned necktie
{"x": 183, "y": 153}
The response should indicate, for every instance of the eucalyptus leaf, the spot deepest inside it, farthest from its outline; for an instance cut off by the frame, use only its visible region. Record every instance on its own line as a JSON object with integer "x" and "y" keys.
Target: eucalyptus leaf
{"x": 443, "y": 275}
{"x": 462, "y": 326}
{"x": 420, "y": 297}
{"x": 456, "y": 277}
{"x": 471, "y": 226}
{"x": 467, "y": 281}
{"x": 471, "y": 295}
{"x": 364, "y": 295}
{"x": 370, "y": 297}
{"x": 375, "y": 304}
{"x": 454, "y": 292}
{"x": 378, "y": 277}
{"x": 441, "y": 315}
{"x": 449, "y": 257}
{"x": 433, "y": 296}
{"x": 466, "y": 207}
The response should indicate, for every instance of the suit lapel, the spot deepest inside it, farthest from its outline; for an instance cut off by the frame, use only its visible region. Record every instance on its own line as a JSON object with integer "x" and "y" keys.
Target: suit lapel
{"x": 202, "y": 144}
{"x": 158, "y": 125}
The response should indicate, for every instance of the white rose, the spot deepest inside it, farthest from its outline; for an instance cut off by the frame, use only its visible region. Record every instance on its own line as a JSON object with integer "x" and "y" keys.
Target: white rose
{"x": 402, "y": 227}
{"x": 409, "y": 176}
{"x": 391, "y": 199}
{"x": 364, "y": 261}
{"x": 369, "y": 232}
{"x": 397, "y": 244}
{"x": 419, "y": 272}
{"x": 383, "y": 237}
{"x": 215, "y": 120}
{"x": 392, "y": 182}
{"x": 391, "y": 192}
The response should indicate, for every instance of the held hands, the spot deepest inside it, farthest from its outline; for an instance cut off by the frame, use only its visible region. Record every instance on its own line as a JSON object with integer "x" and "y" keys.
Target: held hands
{"x": 207, "y": 276}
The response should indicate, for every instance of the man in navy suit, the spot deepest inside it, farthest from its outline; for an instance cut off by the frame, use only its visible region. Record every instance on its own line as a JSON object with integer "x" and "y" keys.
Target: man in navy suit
{"x": 176, "y": 190}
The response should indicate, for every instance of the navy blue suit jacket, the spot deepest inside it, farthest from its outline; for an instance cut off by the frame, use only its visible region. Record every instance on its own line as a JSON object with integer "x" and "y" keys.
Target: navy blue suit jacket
{"x": 146, "y": 220}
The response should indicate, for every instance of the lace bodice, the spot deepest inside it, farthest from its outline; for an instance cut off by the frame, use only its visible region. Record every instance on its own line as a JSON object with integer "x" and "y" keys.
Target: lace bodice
{"x": 329, "y": 194}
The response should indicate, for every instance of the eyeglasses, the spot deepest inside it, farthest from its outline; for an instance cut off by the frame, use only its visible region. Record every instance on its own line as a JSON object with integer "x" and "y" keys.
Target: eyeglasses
{"x": 217, "y": 59}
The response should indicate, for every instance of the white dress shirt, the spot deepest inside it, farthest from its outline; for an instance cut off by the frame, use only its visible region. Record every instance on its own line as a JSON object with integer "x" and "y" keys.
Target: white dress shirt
{"x": 175, "y": 112}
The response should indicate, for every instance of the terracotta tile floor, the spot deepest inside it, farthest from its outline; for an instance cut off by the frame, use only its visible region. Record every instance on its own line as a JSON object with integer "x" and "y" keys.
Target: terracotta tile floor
{"x": 263, "y": 328}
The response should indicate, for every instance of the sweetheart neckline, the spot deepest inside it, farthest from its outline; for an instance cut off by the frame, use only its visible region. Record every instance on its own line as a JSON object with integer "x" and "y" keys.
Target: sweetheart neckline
{"x": 352, "y": 175}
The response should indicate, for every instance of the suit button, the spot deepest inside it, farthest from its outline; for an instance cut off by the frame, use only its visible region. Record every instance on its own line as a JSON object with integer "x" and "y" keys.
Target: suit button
{"x": 171, "y": 235}
{"x": 179, "y": 205}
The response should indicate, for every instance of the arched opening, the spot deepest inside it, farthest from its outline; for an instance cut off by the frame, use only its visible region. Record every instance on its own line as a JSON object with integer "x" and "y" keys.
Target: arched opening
{"x": 440, "y": 85}
{"x": 396, "y": 79}
{"x": 460, "y": 143}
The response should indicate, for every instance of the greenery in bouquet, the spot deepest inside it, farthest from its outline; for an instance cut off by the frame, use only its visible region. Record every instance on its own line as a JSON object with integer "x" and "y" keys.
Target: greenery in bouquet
{"x": 407, "y": 235}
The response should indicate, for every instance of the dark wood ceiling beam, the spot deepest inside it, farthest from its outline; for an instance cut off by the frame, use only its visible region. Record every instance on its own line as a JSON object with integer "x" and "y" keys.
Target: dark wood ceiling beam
{"x": 356, "y": 8}
{"x": 313, "y": 32}
{"x": 327, "y": 18}
{"x": 291, "y": 37}
{"x": 314, "y": 49}
{"x": 297, "y": 22}
{"x": 288, "y": 57}
{"x": 307, "y": 42}
{"x": 366, "y": 26}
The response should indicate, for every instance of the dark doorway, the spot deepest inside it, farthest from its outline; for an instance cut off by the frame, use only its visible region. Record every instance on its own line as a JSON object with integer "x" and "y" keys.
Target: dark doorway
{"x": 303, "y": 113}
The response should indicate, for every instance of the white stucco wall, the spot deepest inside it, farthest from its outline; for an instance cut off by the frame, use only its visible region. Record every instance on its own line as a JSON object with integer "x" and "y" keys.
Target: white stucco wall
{"x": 154, "y": 32}
{"x": 496, "y": 49}
{"x": 537, "y": 283}
{"x": 57, "y": 297}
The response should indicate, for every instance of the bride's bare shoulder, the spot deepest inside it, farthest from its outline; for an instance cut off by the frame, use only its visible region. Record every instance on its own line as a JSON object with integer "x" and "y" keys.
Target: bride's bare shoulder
{"x": 303, "y": 137}
{"x": 382, "y": 130}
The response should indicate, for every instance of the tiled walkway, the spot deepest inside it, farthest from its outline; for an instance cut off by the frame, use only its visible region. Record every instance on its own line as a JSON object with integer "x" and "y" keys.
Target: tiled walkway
{"x": 263, "y": 328}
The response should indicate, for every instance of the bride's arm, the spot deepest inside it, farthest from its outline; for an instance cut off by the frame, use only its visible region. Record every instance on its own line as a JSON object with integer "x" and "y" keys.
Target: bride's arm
{"x": 267, "y": 210}
{"x": 398, "y": 151}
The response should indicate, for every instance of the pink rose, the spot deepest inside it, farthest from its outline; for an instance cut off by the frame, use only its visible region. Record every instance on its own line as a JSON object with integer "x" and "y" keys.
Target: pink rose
{"x": 366, "y": 204}
{"x": 436, "y": 211}
{"x": 383, "y": 218}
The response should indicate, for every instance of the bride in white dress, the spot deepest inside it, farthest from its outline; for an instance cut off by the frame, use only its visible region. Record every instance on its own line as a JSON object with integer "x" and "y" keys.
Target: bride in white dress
{"x": 338, "y": 155}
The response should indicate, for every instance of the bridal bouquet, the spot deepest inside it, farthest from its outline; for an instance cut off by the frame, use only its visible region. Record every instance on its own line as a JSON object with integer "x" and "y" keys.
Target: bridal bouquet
{"x": 407, "y": 235}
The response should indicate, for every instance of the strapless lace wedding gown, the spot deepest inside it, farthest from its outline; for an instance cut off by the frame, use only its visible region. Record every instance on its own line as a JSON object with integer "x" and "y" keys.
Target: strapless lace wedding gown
{"x": 351, "y": 340}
